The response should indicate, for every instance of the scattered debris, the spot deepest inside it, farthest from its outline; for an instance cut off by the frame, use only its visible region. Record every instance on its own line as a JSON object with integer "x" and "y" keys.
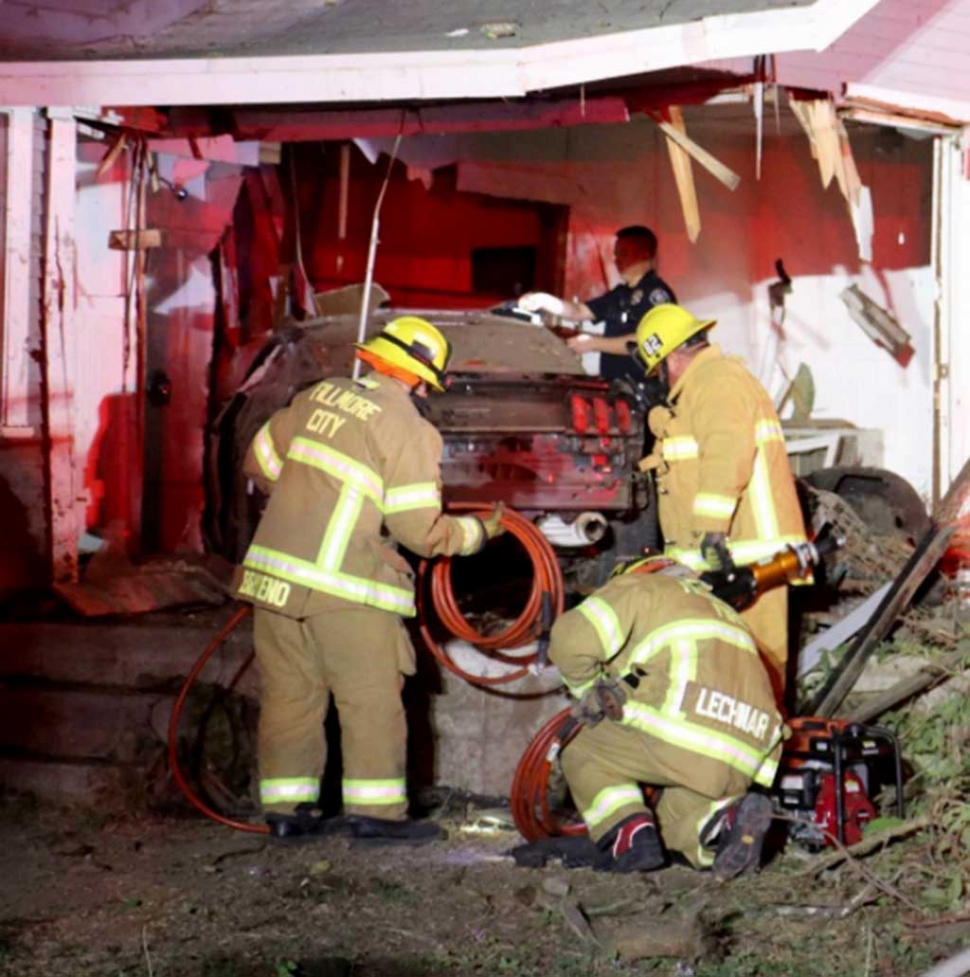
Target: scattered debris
{"x": 878, "y": 324}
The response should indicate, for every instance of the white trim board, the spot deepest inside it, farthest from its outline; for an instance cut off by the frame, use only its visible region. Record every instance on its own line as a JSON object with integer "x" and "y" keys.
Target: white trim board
{"x": 421, "y": 75}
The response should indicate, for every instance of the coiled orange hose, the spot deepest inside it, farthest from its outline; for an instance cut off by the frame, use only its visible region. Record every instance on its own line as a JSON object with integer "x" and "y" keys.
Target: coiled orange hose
{"x": 530, "y": 784}
{"x": 173, "y": 726}
{"x": 547, "y": 586}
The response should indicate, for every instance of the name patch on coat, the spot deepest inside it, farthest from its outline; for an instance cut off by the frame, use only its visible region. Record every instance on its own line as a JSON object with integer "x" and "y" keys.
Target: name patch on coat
{"x": 725, "y": 709}
{"x": 265, "y": 589}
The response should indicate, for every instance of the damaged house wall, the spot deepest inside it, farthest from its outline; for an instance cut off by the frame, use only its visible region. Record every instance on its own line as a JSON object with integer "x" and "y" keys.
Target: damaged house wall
{"x": 614, "y": 175}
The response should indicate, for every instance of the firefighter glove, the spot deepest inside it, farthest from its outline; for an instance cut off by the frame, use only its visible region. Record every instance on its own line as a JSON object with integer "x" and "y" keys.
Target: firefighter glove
{"x": 588, "y": 709}
{"x": 542, "y": 302}
{"x": 492, "y": 524}
{"x": 715, "y": 551}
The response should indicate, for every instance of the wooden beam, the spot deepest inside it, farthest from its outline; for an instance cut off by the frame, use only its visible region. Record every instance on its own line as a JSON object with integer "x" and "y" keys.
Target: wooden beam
{"x": 714, "y": 166}
{"x": 59, "y": 350}
{"x": 15, "y": 369}
{"x": 683, "y": 175}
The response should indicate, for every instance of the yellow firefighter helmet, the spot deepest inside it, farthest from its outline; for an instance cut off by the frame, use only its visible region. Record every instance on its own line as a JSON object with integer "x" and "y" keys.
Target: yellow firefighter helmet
{"x": 663, "y": 329}
{"x": 413, "y": 346}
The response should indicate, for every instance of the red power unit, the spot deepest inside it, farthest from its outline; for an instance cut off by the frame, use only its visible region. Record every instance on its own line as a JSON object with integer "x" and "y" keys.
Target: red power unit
{"x": 830, "y": 772}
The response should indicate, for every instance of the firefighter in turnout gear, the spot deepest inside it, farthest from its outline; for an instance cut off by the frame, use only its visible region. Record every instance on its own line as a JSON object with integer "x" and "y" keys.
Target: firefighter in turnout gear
{"x": 351, "y": 469}
{"x": 674, "y": 696}
{"x": 725, "y": 489}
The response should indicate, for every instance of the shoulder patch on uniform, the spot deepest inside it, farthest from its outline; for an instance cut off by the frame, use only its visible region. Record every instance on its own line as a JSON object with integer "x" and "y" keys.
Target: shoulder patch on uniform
{"x": 660, "y": 296}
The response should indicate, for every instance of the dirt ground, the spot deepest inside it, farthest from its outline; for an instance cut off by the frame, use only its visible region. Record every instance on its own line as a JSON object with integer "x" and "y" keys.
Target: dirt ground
{"x": 90, "y": 895}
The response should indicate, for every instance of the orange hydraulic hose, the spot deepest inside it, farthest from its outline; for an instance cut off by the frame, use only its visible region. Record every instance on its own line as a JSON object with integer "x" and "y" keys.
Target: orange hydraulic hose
{"x": 173, "y": 726}
{"x": 530, "y": 784}
{"x": 547, "y": 580}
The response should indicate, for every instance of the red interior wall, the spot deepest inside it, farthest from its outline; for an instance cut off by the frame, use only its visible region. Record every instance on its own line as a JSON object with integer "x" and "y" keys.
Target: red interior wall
{"x": 426, "y": 235}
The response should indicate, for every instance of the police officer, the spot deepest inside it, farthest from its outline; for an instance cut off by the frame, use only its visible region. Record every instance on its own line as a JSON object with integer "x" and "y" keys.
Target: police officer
{"x": 675, "y": 697}
{"x": 620, "y": 309}
{"x": 725, "y": 488}
{"x": 352, "y": 469}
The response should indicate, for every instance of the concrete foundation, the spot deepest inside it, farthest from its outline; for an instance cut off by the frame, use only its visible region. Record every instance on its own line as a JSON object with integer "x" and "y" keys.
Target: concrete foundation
{"x": 85, "y": 706}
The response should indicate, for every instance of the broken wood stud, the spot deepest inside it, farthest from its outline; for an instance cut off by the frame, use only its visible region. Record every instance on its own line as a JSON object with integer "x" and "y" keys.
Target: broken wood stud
{"x": 701, "y": 156}
{"x": 684, "y": 176}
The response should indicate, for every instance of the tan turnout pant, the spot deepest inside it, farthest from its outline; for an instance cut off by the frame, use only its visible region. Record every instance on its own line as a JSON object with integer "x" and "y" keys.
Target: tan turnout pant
{"x": 359, "y": 656}
{"x": 767, "y": 619}
{"x": 605, "y": 766}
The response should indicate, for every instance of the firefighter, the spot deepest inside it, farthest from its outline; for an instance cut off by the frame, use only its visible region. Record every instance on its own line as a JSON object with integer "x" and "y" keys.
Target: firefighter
{"x": 674, "y": 696}
{"x": 351, "y": 468}
{"x": 725, "y": 489}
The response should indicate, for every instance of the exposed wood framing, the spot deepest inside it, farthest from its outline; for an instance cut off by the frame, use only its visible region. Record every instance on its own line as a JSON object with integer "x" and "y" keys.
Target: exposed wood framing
{"x": 59, "y": 350}
{"x": 683, "y": 175}
{"x": 678, "y": 134}
{"x": 15, "y": 369}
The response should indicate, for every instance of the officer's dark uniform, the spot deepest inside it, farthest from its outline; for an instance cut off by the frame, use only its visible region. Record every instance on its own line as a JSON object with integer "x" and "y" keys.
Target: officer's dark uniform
{"x": 621, "y": 309}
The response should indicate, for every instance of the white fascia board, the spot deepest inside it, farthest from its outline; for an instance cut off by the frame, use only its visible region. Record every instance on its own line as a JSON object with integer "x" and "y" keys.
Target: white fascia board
{"x": 939, "y": 109}
{"x": 418, "y": 75}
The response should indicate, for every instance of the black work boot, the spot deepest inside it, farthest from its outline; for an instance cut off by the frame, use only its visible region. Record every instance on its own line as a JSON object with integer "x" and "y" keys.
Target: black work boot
{"x": 304, "y": 824}
{"x": 742, "y": 836}
{"x": 403, "y": 832}
{"x": 635, "y": 845}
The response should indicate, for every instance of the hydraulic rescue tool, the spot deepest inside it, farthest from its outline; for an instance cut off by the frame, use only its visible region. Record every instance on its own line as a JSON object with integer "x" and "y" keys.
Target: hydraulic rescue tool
{"x": 534, "y": 784}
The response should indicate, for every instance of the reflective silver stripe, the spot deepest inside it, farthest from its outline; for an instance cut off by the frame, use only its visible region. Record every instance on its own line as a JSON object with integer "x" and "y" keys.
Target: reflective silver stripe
{"x": 683, "y": 669}
{"x": 690, "y": 631}
{"x": 340, "y": 466}
{"x": 762, "y": 501}
{"x": 422, "y": 495}
{"x": 679, "y": 448}
{"x": 266, "y": 456}
{"x": 356, "y": 589}
{"x": 340, "y": 528}
{"x": 374, "y": 792}
{"x": 605, "y": 622}
{"x": 472, "y": 534}
{"x": 767, "y": 430}
{"x": 705, "y": 852}
{"x": 610, "y": 800}
{"x": 744, "y": 551}
{"x": 297, "y": 789}
{"x": 693, "y": 737}
{"x": 715, "y": 506}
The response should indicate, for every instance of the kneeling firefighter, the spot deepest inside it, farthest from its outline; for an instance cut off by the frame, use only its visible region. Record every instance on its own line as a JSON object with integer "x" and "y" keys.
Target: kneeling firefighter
{"x": 351, "y": 468}
{"x": 673, "y": 695}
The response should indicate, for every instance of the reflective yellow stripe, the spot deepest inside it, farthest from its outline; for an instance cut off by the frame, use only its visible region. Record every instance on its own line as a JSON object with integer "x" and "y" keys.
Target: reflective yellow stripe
{"x": 714, "y": 506}
{"x": 605, "y": 623}
{"x": 367, "y": 383}
{"x": 357, "y": 589}
{"x": 278, "y": 790}
{"x": 743, "y": 551}
{"x": 610, "y": 800}
{"x": 683, "y": 669}
{"x": 693, "y": 738}
{"x": 680, "y": 448}
{"x": 373, "y": 793}
{"x": 266, "y": 457}
{"x": 403, "y": 498}
{"x": 768, "y": 430}
{"x": 472, "y": 535}
{"x": 690, "y": 631}
{"x": 762, "y": 499}
{"x": 342, "y": 467}
{"x": 340, "y": 528}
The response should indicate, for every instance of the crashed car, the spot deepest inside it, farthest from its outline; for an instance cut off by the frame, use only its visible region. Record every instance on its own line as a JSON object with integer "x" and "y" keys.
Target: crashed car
{"x": 522, "y": 424}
